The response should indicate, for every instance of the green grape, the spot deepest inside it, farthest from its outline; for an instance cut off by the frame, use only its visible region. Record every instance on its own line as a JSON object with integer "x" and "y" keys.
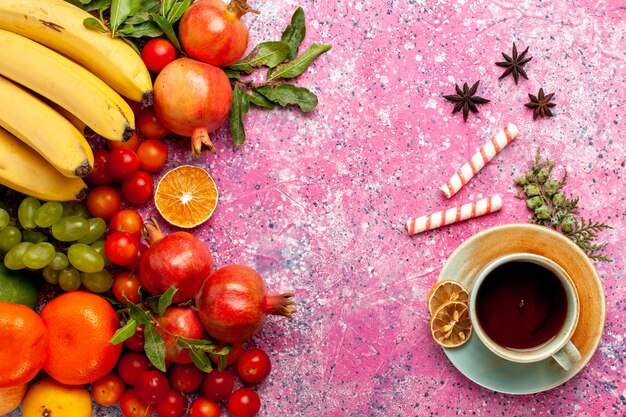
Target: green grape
{"x": 69, "y": 279}
{"x": 98, "y": 246}
{"x": 97, "y": 227}
{"x": 50, "y": 275}
{"x": 33, "y": 236}
{"x": 38, "y": 255}
{"x": 101, "y": 281}
{"x": 48, "y": 214}
{"x": 85, "y": 258}
{"x": 26, "y": 212}
{"x": 9, "y": 237}
{"x": 59, "y": 261}
{"x": 14, "y": 259}
{"x": 4, "y": 218}
{"x": 79, "y": 210}
{"x": 70, "y": 228}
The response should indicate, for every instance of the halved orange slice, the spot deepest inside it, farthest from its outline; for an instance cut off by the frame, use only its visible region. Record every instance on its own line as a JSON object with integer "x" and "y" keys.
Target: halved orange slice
{"x": 443, "y": 291}
{"x": 450, "y": 326}
{"x": 186, "y": 196}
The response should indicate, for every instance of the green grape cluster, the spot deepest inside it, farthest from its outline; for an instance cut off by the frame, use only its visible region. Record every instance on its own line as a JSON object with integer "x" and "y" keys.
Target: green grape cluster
{"x": 60, "y": 239}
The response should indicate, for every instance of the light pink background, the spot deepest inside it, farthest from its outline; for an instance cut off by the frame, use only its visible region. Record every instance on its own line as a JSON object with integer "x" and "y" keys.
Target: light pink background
{"x": 317, "y": 202}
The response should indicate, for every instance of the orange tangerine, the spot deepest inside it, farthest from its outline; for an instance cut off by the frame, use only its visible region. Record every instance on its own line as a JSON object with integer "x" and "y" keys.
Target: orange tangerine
{"x": 443, "y": 291}
{"x": 450, "y": 326}
{"x": 80, "y": 324}
{"x": 23, "y": 344}
{"x": 186, "y": 196}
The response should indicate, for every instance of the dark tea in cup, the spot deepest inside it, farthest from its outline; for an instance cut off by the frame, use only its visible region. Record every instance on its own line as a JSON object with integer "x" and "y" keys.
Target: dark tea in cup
{"x": 521, "y": 305}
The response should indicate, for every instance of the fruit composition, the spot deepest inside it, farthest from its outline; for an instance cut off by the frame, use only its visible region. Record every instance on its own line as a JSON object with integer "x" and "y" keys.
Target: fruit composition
{"x": 97, "y": 303}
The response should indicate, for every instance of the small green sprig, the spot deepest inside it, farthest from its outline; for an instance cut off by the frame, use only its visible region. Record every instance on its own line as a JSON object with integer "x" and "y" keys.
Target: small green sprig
{"x": 544, "y": 196}
{"x": 282, "y": 62}
{"x": 146, "y": 313}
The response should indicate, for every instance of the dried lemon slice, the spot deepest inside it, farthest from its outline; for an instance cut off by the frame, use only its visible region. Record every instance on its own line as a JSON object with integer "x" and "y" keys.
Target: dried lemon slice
{"x": 186, "y": 196}
{"x": 450, "y": 326}
{"x": 444, "y": 291}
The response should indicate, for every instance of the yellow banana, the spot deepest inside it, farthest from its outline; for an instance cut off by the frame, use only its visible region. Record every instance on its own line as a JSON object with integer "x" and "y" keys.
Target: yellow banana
{"x": 59, "y": 25}
{"x": 24, "y": 170}
{"x": 67, "y": 84}
{"x": 43, "y": 129}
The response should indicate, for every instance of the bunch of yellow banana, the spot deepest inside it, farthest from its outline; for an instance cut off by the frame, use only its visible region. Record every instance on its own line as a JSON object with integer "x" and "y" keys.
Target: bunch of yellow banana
{"x": 55, "y": 74}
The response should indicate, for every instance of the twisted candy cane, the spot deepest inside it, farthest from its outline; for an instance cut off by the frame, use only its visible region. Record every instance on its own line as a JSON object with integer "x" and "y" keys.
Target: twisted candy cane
{"x": 480, "y": 159}
{"x": 454, "y": 215}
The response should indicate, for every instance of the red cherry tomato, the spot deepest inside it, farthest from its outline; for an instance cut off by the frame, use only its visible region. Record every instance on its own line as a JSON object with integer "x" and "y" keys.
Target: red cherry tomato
{"x": 173, "y": 405}
{"x": 157, "y": 53}
{"x": 152, "y": 155}
{"x": 108, "y": 390}
{"x": 152, "y": 386}
{"x": 139, "y": 188}
{"x": 135, "y": 265}
{"x": 137, "y": 341}
{"x": 126, "y": 284}
{"x": 244, "y": 403}
{"x": 254, "y": 366}
{"x": 121, "y": 248}
{"x": 202, "y": 407}
{"x": 123, "y": 163}
{"x": 185, "y": 377}
{"x": 149, "y": 124}
{"x": 218, "y": 385}
{"x": 132, "y": 143}
{"x": 100, "y": 175}
{"x": 128, "y": 221}
{"x": 133, "y": 406}
{"x": 131, "y": 365}
{"x": 104, "y": 202}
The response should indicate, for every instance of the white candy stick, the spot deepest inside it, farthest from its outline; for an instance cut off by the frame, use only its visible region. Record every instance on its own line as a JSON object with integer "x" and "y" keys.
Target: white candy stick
{"x": 490, "y": 149}
{"x": 466, "y": 211}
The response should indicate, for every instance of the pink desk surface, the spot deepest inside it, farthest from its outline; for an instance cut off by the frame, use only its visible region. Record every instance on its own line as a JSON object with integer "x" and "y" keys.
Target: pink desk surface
{"x": 318, "y": 202}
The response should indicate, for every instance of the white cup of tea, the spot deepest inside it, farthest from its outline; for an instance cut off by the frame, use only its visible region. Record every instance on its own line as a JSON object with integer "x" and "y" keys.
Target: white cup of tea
{"x": 524, "y": 308}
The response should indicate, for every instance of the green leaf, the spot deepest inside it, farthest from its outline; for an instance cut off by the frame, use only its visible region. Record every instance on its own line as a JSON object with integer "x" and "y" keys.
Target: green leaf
{"x": 201, "y": 360}
{"x": 76, "y": 3}
{"x": 269, "y": 54}
{"x": 204, "y": 344}
{"x": 146, "y": 29}
{"x": 154, "y": 347}
{"x": 295, "y": 33}
{"x": 99, "y": 5}
{"x": 92, "y": 23}
{"x": 165, "y": 300}
{"x": 240, "y": 106}
{"x": 166, "y": 5}
{"x": 167, "y": 28}
{"x": 120, "y": 10}
{"x": 177, "y": 11}
{"x": 232, "y": 74}
{"x": 137, "y": 313}
{"x": 124, "y": 332}
{"x": 296, "y": 67}
{"x": 286, "y": 94}
{"x": 260, "y": 100}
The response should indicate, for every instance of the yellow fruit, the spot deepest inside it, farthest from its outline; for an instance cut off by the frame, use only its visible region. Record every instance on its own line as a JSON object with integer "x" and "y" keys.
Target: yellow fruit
{"x": 186, "y": 196}
{"x": 49, "y": 398}
{"x": 444, "y": 291}
{"x": 450, "y": 326}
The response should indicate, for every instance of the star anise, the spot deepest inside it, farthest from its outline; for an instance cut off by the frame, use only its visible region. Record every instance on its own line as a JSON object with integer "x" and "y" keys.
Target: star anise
{"x": 466, "y": 100}
{"x": 540, "y": 104}
{"x": 514, "y": 64}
